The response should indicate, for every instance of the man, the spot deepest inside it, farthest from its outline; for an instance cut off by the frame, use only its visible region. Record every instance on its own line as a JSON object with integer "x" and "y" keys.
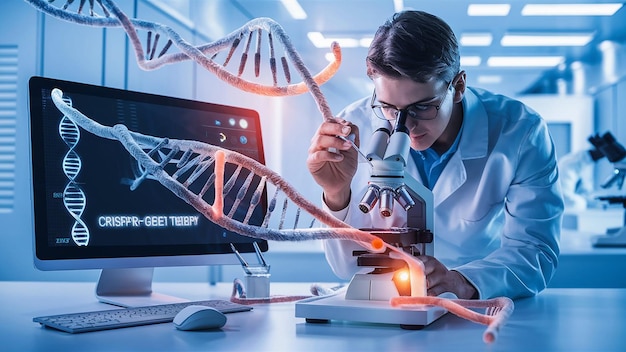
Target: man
{"x": 488, "y": 159}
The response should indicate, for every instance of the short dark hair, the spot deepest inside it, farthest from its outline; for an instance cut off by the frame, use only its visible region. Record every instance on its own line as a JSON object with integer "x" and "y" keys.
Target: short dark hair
{"x": 414, "y": 45}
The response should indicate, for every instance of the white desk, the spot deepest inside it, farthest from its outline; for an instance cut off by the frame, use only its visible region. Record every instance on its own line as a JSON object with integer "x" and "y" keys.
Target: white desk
{"x": 557, "y": 319}
{"x": 582, "y": 265}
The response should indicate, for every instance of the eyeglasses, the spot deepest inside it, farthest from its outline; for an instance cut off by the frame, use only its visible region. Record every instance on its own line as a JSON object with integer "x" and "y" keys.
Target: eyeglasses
{"x": 416, "y": 111}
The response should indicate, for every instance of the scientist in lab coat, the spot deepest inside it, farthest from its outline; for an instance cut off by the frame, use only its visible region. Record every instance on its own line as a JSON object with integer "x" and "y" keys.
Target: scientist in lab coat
{"x": 488, "y": 159}
{"x": 576, "y": 175}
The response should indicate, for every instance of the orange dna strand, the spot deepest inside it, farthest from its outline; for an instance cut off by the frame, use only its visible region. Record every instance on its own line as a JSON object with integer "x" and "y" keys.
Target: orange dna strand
{"x": 239, "y": 41}
{"x": 190, "y": 168}
{"x": 497, "y": 310}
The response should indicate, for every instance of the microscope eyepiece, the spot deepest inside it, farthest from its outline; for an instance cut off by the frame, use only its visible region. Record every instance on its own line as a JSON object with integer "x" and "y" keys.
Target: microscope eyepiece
{"x": 401, "y": 118}
{"x": 608, "y": 146}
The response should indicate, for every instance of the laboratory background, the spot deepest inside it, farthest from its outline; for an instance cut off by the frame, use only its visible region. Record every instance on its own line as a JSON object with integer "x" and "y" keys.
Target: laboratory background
{"x": 571, "y": 68}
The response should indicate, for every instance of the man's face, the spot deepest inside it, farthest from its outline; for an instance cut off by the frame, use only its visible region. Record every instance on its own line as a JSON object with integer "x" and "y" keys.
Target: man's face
{"x": 400, "y": 93}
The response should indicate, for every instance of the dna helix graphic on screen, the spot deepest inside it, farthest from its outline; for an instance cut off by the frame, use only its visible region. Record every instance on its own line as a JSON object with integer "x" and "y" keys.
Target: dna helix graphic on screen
{"x": 74, "y": 198}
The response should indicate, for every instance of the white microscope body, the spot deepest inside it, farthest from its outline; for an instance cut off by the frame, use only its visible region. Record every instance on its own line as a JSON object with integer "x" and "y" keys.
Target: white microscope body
{"x": 390, "y": 190}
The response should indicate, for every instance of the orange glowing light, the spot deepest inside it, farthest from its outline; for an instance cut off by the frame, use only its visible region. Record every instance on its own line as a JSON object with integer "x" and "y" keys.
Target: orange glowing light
{"x": 377, "y": 243}
{"x": 403, "y": 275}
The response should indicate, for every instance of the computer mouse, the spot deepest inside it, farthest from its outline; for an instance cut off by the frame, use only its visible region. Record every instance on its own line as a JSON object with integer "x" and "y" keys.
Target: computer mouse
{"x": 196, "y": 317}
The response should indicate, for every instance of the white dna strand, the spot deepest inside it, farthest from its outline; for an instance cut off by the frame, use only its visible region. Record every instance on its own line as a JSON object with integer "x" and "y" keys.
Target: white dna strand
{"x": 74, "y": 198}
{"x": 259, "y": 31}
{"x": 190, "y": 168}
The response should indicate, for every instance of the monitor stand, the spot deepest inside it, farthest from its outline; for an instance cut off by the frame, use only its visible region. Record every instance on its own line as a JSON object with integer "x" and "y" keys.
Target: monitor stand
{"x": 130, "y": 287}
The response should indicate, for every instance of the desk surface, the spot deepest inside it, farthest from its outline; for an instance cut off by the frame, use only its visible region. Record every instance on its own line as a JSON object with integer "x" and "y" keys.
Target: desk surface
{"x": 556, "y": 319}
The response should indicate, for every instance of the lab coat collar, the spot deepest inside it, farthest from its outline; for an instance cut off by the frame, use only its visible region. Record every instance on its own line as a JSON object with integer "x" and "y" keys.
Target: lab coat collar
{"x": 473, "y": 144}
{"x": 475, "y": 138}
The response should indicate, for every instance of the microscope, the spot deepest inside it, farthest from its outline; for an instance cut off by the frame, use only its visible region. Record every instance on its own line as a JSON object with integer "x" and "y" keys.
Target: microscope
{"x": 616, "y": 154}
{"x": 391, "y": 190}
{"x": 385, "y": 275}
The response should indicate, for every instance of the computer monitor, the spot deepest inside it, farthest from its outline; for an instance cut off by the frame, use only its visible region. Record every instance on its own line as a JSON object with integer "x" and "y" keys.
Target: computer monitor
{"x": 85, "y": 214}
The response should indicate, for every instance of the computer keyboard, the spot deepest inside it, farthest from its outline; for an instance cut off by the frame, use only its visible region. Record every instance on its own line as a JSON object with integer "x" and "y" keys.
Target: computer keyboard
{"x": 127, "y": 317}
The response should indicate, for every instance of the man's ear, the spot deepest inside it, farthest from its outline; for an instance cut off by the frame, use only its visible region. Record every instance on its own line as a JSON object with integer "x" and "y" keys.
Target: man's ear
{"x": 459, "y": 84}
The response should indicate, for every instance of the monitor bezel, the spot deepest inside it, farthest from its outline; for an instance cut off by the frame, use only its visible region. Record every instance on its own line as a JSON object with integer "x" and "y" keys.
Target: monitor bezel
{"x": 66, "y": 258}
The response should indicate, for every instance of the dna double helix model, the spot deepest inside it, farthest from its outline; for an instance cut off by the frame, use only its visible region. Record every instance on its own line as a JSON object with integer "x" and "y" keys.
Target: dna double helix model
{"x": 74, "y": 198}
{"x": 206, "y": 55}
{"x": 189, "y": 169}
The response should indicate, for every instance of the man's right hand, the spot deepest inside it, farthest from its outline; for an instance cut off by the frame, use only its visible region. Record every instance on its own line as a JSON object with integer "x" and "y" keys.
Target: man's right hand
{"x": 334, "y": 169}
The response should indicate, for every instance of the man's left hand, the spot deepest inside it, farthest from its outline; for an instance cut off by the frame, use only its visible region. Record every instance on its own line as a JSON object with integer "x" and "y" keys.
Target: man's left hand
{"x": 439, "y": 280}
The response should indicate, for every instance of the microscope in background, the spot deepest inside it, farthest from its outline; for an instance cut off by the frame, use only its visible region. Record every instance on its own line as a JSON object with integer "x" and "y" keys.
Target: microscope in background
{"x": 616, "y": 154}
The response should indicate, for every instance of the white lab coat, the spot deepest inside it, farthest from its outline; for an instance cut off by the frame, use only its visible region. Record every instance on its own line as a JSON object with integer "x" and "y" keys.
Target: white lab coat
{"x": 498, "y": 204}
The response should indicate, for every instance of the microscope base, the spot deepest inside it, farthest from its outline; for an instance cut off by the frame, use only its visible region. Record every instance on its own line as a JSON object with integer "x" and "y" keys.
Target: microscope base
{"x": 613, "y": 238}
{"x": 326, "y": 308}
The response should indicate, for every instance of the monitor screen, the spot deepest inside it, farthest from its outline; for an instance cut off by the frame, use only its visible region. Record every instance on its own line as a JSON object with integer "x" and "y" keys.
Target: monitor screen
{"x": 85, "y": 213}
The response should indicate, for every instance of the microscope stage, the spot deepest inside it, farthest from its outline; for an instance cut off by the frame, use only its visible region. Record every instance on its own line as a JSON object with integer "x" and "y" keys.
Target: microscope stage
{"x": 336, "y": 307}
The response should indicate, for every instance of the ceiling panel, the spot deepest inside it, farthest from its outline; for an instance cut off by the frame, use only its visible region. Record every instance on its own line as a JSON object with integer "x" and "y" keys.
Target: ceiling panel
{"x": 362, "y": 17}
